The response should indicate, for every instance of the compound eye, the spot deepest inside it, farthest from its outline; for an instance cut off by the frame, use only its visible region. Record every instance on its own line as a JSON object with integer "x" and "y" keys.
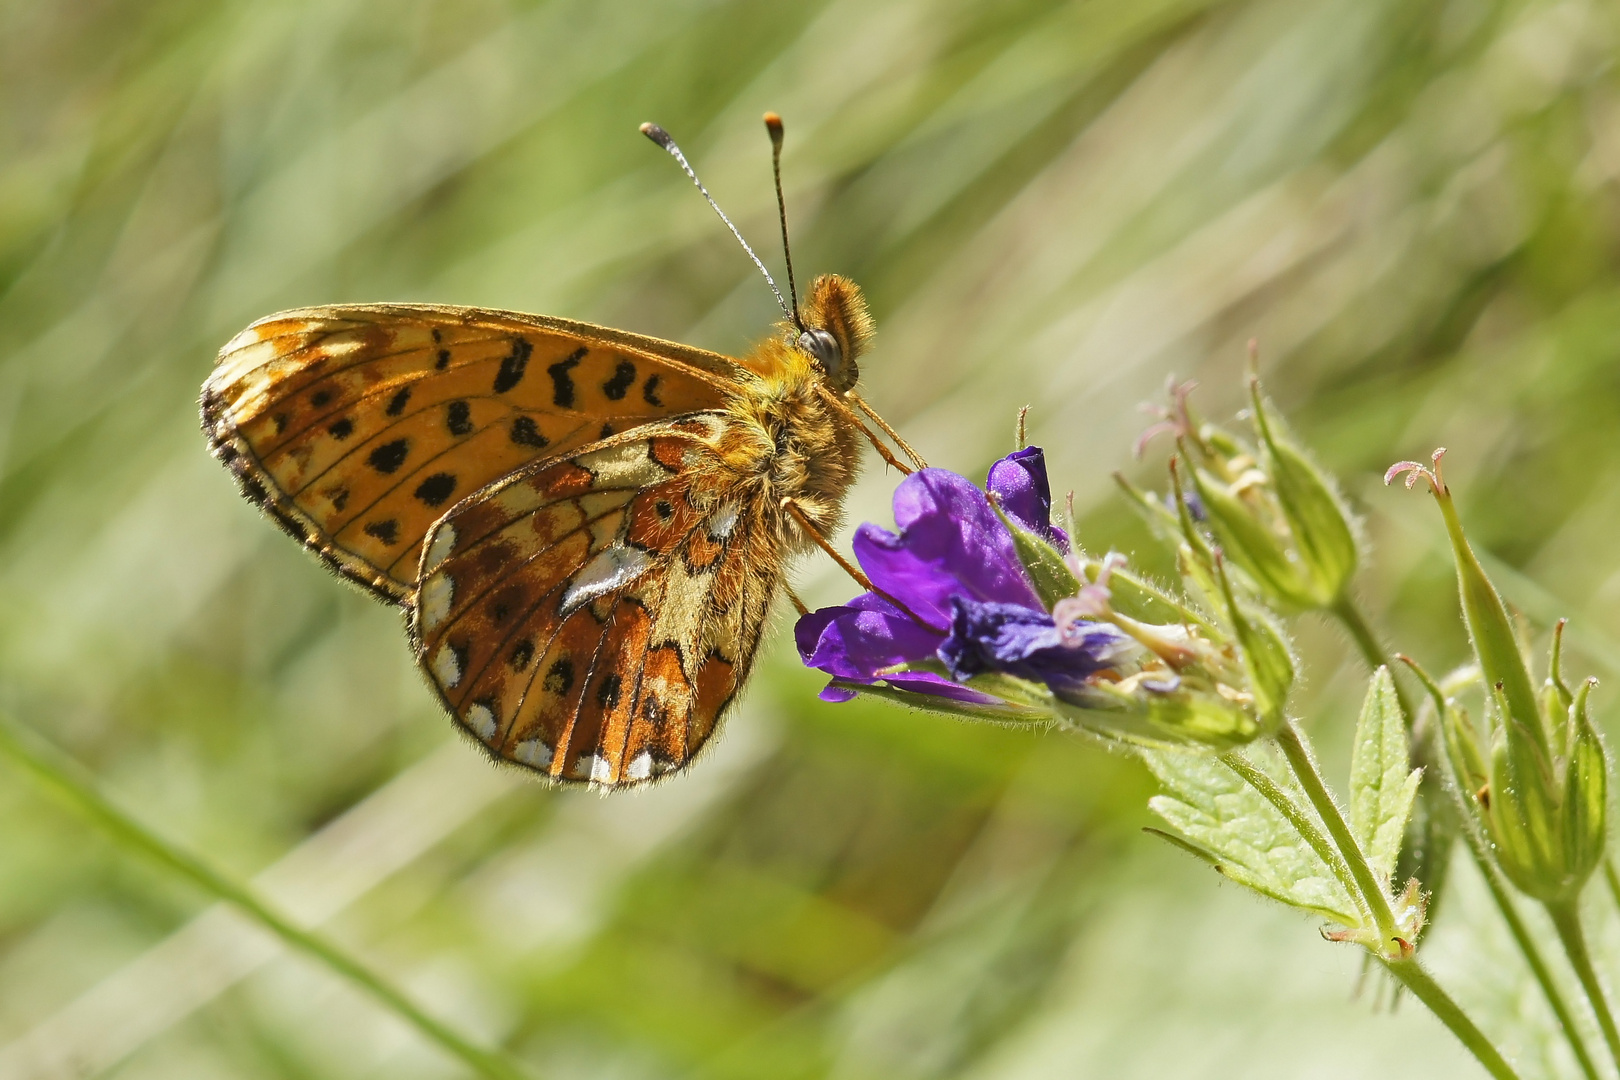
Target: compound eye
{"x": 824, "y": 347}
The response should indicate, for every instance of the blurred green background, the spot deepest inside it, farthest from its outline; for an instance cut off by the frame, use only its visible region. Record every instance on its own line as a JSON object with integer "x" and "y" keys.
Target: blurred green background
{"x": 1414, "y": 204}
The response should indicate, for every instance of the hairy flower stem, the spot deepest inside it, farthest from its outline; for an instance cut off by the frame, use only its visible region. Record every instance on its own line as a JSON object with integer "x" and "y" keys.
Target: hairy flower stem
{"x": 1423, "y": 987}
{"x": 1566, "y": 918}
{"x": 1305, "y": 770}
{"x": 61, "y": 777}
{"x": 1372, "y": 650}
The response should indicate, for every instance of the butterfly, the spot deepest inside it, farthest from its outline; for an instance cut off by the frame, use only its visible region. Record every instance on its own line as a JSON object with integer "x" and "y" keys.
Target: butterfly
{"x": 586, "y": 527}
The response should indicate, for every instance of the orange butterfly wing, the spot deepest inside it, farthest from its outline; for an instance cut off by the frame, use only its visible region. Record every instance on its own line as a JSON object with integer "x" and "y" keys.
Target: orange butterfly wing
{"x": 357, "y": 426}
{"x": 591, "y": 617}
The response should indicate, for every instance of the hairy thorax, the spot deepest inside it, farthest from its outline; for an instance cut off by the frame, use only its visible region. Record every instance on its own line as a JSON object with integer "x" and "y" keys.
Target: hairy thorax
{"x": 789, "y": 441}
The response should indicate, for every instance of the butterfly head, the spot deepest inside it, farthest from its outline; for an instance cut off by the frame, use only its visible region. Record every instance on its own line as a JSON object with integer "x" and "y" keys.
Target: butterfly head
{"x": 837, "y": 328}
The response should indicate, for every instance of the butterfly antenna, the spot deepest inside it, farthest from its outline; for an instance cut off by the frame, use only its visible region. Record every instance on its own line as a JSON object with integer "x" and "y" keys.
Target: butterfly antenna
{"x": 773, "y": 124}
{"x": 662, "y": 138}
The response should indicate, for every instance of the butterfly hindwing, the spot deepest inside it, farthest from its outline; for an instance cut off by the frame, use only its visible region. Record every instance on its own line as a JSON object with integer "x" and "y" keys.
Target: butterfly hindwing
{"x": 592, "y": 616}
{"x": 358, "y": 426}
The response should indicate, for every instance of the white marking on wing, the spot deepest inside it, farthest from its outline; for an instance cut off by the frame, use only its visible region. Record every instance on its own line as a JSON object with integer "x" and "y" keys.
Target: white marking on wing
{"x": 533, "y": 752}
{"x": 723, "y": 521}
{"x": 482, "y": 722}
{"x": 434, "y": 602}
{"x": 640, "y": 766}
{"x": 446, "y": 667}
{"x": 601, "y": 770}
{"x": 444, "y": 541}
{"x": 626, "y": 466}
{"x": 612, "y": 568}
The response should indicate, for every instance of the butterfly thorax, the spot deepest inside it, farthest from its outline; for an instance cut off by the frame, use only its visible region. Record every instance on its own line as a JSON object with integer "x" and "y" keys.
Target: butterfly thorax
{"x": 787, "y": 441}
{"x": 792, "y": 437}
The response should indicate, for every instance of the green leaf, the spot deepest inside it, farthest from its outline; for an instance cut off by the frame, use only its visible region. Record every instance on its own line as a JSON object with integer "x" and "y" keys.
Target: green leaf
{"x": 1382, "y": 781}
{"x": 1223, "y": 820}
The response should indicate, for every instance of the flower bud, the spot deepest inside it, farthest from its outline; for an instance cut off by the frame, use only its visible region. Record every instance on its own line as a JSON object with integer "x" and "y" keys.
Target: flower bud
{"x": 1544, "y": 801}
{"x": 1276, "y": 515}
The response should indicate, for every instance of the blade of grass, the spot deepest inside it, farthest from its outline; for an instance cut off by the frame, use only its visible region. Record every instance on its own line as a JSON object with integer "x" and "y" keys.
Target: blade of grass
{"x": 65, "y": 779}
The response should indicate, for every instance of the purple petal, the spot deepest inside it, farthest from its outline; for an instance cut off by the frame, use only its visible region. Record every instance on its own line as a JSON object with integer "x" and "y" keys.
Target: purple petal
{"x": 861, "y": 637}
{"x": 950, "y": 543}
{"x": 1027, "y": 643}
{"x": 1019, "y": 481}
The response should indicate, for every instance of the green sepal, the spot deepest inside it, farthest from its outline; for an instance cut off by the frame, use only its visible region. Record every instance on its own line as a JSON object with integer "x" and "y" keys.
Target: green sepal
{"x": 1193, "y": 715}
{"x": 1048, "y": 573}
{"x": 1585, "y": 793}
{"x": 1525, "y": 818}
{"x": 963, "y": 710}
{"x": 1253, "y": 546}
{"x": 1317, "y": 517}
{"x": 1496, "y": 646}
{"x": 1161, "y": 520}
{"x": 1266, "y": 659}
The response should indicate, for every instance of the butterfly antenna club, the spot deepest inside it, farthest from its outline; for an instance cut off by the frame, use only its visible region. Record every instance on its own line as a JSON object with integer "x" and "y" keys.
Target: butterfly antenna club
{"x": 663, "y": 139}
{"x": 773, "y": 125}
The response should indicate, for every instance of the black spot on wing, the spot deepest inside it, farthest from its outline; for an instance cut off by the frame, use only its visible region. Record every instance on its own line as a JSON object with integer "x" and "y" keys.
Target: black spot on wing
{"x": 665, "y": 510}
{"x": 443, "y": 360}
{"x": 342, "y": 429}
{"x": 522, "y": 653}
{"x": 525, "y": 432}
{"x": 562, "y": 383}
{"x": 649, "y": 391}
{"x": 458, "y": 418}
{"x": 320, "y": 397}
{"x": 280, "y": 420}
{"x": 396, "y": 404}
{"x": 513, "y": 365}
{"x": 607, "y": 429}
{"x": 340, "y": 499}
{"x": 389, "y": 456}
{"x": 387, "y": 531}
{"x": 607, "y": 695}
{"x": 560, "y": 677}
{"x": 436, "y": 489}
{"x": 623, "y": 378}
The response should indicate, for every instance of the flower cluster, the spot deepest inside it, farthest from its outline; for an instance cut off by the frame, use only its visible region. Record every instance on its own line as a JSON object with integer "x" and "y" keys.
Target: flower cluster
{"x": 981, "y": 604}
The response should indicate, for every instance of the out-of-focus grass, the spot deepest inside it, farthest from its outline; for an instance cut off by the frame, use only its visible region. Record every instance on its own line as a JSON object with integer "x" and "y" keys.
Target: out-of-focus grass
{"x": 1412, "y": 204}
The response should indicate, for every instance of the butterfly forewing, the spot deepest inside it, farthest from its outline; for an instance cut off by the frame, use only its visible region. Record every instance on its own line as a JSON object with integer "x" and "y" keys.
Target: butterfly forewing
{"x": 358, "y": 426}
{"x": 592, "y": 616}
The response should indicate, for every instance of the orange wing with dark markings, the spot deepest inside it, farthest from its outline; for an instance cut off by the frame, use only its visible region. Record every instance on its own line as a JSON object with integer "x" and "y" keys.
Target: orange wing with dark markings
{"x": 357, "y": 426}
{"x": 591, "y": 617}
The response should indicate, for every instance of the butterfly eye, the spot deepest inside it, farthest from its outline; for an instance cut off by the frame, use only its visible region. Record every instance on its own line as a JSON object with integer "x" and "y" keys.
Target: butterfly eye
{"x": 824, "y": 347}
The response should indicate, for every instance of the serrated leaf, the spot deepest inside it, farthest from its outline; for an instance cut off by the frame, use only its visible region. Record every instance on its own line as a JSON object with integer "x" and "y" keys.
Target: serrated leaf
{"x": 1382, "y": 781}
{"x": 1225, "y": 821}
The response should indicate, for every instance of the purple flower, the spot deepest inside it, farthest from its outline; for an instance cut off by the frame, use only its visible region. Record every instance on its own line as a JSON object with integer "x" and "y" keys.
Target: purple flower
{"x": 1019, "y": 482}
{"x": 959, "y": 593}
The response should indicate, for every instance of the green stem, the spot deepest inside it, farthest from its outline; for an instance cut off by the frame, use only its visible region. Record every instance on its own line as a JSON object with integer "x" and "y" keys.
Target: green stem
{"x": 1566, "y": 918}
{"x": 1302, "y": 823}
{"x": 1612, "y": 880}
{"x": 1479, "y": 849}
{"x": 1310, "y": 778}
{"x": 64, "y": 779}
{"x": 1372, "y": 650}
{"x": 1425, "y": 989}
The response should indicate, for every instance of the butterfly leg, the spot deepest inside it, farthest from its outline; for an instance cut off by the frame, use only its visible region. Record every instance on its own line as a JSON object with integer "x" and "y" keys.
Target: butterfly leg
{"x": 904, "y": 446}
{"x": 848, "y": 567}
